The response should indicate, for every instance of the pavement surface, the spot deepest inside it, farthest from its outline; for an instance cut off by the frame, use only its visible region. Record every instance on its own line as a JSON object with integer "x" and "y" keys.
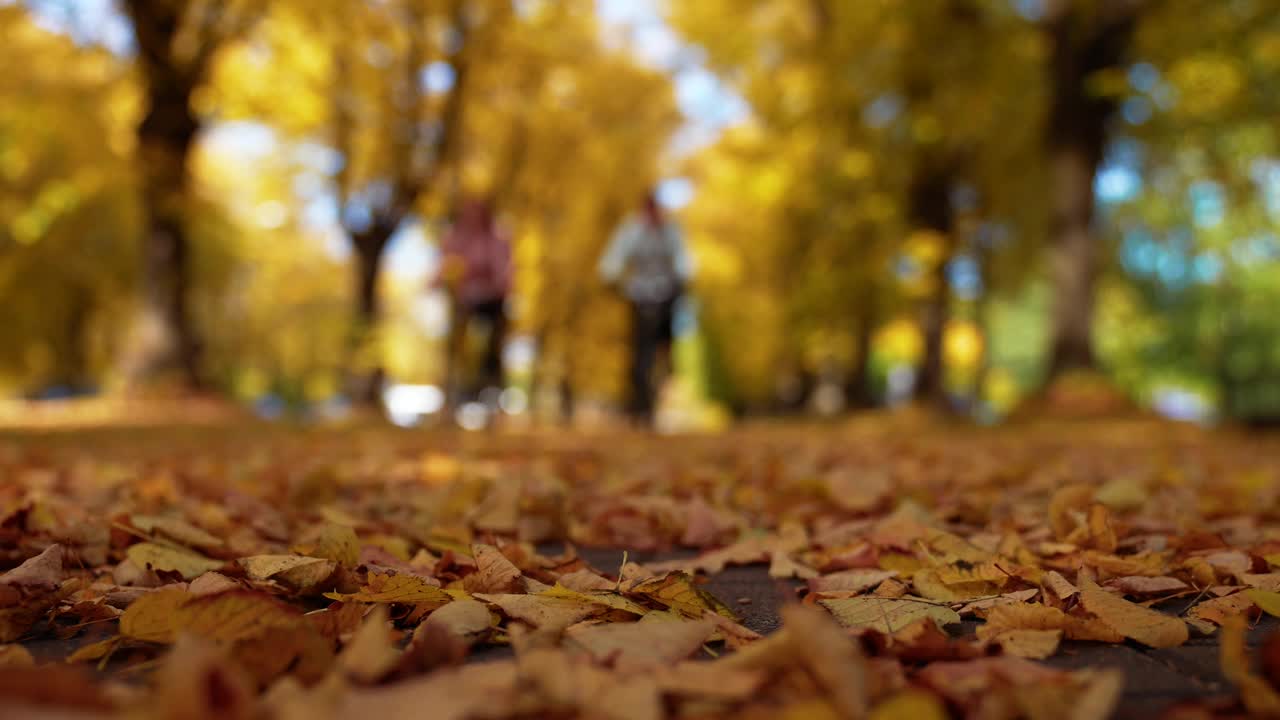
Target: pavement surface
{"x": 1155, "y": 680}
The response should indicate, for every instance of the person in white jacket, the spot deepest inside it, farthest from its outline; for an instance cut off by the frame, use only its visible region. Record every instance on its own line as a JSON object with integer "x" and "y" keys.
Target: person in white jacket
{"x": 647, "y": 261}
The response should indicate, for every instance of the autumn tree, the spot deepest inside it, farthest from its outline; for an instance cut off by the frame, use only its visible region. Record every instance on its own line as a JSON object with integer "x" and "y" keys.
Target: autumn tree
{"x": 176, "y": 44}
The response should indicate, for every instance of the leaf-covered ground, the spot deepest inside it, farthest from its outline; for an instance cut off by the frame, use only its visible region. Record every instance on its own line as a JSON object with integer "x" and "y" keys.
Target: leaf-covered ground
{"x": 885, "y": 569}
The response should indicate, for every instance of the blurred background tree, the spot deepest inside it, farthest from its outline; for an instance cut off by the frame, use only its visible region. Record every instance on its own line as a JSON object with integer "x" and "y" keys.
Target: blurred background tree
{"x": 952, "y": 201}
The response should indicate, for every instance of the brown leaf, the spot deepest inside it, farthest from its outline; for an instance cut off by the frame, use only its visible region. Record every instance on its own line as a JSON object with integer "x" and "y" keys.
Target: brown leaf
{"x": 651, "y": 642}
{"x": 542, "y": 611}
{"x": 400, "y": 588}
{"x": 166, "y": 558}
{"x": 15, "y": 656}
{"x": 1259, "y": 698}
{"x": 1032, "y": 644}
{"x": 1139, "y": 585}
{"x": 886, "y": 614}
{"x": 855, "y": 580}
{"x": 296, "y": 571}
{"x": 228, "y": 617}
{"x": 1149, "y": 627}
{"x": 494, "y": 572}
{"x": 42, "y": 572}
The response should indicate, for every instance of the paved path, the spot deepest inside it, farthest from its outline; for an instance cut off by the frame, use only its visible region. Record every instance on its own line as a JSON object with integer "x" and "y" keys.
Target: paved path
{"x": 1154, "y": 679}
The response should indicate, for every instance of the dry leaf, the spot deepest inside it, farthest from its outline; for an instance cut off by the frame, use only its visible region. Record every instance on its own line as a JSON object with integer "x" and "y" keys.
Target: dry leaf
{"x": 371, "y": 654}
{"x": 387, "y": 588}
{"x": 543, "y": 611}
{"x": 1031, "y": 644}
{"x": 176, "y": 529}
{"x": 464, "y": 619}
{"x": 642, "y": 645}
{"x": 855, "y": 580}
{"x": 887, "y": 615}
{"x": 1139, "y": 585}
{"x": 494, "y": 572}
{"x": 1259, "y": 697}
{"x": 1149, "y": 627}
{"x": 230, "y": 616}
{"x": 1265, "y": 599}
{"x": 42, "y": 572}
{"x": 1217, "y": 610}
{"x": 188, "y": 564}
{"x": 15, "y": 656}
{"x": 296, "y": 571}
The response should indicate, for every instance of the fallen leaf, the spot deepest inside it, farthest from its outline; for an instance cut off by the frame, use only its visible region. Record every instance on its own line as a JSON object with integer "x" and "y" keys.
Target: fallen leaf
{"x": 230, "y": 616}
{"x": 1140, "y": 585}
{"x": 642, "y": 645}
{"x": 909, "y": 705}
{"x": 1217, "y": 610}
{"x": 494, "y": 572}
{"x": 1259, "y": 697}
{"x": 42, "y": 572}
{"x": 1268, "y": 601}
{"x": 886, "y": 614}
{"x": 832, "y": 659}
{"x": 189, "y": 565}
{"x": 296, "y": 571}
{"x": 338, "y": 543}
{"x": 370, "y": 655}
{"x": 399, "y": 588}
{"x": 1031, "y": 644}
{"x": 465, "y": 619}
{"x": 855, "y": 580}
{"x": 543, "y": 611}
{"x": 1149, "y": 627}
{"x": 176, "y": 529}
{"x": 15, "y": 656}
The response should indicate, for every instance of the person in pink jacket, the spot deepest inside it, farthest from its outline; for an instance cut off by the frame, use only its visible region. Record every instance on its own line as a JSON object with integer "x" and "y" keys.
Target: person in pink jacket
{"x": 476, "y": 273}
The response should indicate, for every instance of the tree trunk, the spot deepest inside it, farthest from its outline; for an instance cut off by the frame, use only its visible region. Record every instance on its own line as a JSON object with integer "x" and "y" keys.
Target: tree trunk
{"x": 169, "y": 346}
{"x": 931, "y": 209}
{"x": 1082, "y": 46}
{"x": 1074, "y": 262}
{"x": 857, "y": 390}
{"x": 364, "y": 365}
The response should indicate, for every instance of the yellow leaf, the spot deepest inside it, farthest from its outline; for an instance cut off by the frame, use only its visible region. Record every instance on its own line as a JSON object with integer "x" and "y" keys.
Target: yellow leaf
{"x": 1148, "y": 627}
{"x": 1033, "y": 644}
{"x": 678, "y": 592}
{"x": 1066, "y": 509}
{"x": 15, "y": 656}
{"x": 1267, "y": 600}
{"x": 960, "y": 573}
{"x": 339, "y": 544}
{"x": 153, "y": 617}
{"x": 338, "y": 620}
{"x": 888, "y": 615}
{"x": 542, "y": 611}
{"x": 386, "y": 588}
{"x": 176, "y": 529}
{"x": 297, "y": 571}
{"x": 1218, "y": 610}
{"x": 642, "y": 645}
{"x": 94, "y": 651}
{"x": 910, "y": 705}
{"x": 370, "y": 655}
{"x": 227, "y": 617}
{"x": 465, "y": 619}
{"x": 1258, "y": 696}
{"x": 599, "y": 597}
{"x": 170, "y": 559}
